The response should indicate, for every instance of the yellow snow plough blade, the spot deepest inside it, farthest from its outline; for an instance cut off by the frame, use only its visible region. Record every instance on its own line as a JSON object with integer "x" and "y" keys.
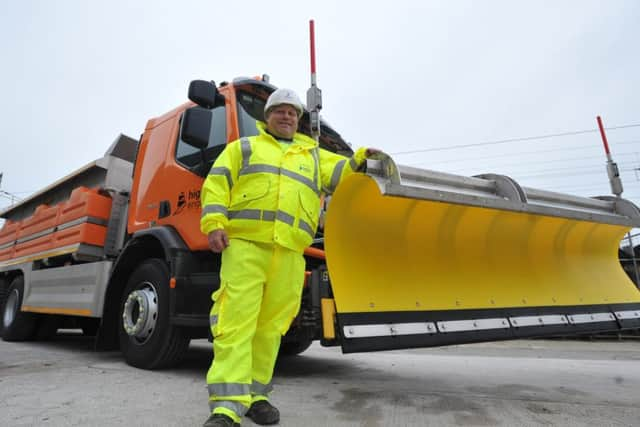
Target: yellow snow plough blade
{"x": 418, "y": 258}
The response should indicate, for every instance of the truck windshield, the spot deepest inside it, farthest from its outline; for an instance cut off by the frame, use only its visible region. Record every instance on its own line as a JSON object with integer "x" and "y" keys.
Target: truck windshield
{"x": 251, "y": 108}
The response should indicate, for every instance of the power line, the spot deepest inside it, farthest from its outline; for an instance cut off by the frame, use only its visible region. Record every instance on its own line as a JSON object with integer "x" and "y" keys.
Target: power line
{"x": 592, "y": 168}
{"x": 519, "y": 154}
{"x": 628, "y": 165}
{"x": 552, "y": 173}
{"x": 594, "y": 178}
{"x": 6, "y": 194}
{"x": 593, "y": 185}
{"x": 505, "y": 141}
{"x": 9, "y": 196}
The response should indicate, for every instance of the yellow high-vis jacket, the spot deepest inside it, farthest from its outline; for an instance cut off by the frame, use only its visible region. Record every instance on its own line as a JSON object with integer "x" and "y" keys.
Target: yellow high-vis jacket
{"x": 259, "y": 192}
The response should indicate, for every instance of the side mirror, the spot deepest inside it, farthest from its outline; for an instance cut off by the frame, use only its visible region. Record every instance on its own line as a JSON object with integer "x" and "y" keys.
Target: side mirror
{"x": 196, "y": 127}
{"x": 205, "y": 94}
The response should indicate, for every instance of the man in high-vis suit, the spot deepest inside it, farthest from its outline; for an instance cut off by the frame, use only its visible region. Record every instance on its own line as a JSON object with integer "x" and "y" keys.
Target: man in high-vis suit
{"x": 260, "y": 209}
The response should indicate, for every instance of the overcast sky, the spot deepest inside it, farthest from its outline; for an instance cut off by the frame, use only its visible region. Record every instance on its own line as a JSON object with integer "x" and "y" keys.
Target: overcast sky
{"x": 423, "y": 78}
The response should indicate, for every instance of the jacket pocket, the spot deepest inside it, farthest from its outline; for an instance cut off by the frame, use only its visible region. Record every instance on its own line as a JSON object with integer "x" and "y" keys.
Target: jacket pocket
{"x": 250, "y": 190}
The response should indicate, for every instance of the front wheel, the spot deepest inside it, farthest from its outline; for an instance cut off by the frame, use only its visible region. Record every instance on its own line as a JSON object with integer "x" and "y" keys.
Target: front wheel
{"x": 147, "y": 339}
{"x": 16, "y": 325}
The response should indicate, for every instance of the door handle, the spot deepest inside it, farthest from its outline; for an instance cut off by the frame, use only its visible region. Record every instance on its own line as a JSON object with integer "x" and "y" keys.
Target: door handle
{"x": 165, "y": 209}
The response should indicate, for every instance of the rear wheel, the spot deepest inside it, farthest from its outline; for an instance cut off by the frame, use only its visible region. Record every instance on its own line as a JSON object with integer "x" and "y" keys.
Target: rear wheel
{"x": 16, "y": 325}
{"x": 4, "y": 293}
{"x": 147, "y": 339}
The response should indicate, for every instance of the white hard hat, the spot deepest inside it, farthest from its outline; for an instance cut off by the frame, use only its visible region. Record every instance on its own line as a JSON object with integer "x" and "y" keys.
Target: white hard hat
{"x": 283, "y": 96}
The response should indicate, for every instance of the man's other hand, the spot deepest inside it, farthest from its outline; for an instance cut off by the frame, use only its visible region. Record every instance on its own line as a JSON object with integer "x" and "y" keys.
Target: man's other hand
{"x": 371, "y": 152}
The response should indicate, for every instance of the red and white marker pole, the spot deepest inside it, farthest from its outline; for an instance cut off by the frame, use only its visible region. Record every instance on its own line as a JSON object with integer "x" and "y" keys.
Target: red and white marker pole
{"x": 612, "y": 167}
{"x": 314, "y": 94}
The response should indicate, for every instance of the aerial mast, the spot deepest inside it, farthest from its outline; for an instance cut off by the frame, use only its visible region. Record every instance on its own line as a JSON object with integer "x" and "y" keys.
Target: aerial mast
{"x": 616, "y": 189}
{"x": 314, "y": 94}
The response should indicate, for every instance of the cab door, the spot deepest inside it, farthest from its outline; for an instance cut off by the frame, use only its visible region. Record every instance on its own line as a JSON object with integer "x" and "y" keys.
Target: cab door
{"x": 183, "y": 177}
{"x": 169, "y": 173}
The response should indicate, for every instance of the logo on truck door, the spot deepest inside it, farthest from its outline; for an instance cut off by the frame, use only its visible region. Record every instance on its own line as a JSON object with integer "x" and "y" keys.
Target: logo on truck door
{"x": 182, "y": 202}
{"x": 187, "y": 200}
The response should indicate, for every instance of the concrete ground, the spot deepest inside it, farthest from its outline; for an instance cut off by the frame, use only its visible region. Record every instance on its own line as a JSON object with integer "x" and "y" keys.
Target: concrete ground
{"x": 518, "y": 383}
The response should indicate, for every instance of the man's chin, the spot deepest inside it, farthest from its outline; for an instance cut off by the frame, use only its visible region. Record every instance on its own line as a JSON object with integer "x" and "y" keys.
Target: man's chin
{"x": 285, "y": 133}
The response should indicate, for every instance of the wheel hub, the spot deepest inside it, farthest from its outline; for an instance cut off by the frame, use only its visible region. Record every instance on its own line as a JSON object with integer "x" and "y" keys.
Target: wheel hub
{"x": 140, "y": 312}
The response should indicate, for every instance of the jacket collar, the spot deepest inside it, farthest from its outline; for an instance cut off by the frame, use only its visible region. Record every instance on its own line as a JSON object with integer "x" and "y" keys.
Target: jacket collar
{"x": 299, "y": 139}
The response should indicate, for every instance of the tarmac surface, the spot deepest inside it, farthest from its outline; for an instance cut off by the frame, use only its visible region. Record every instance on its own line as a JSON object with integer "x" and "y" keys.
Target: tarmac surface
{"x": 518, "y": 383}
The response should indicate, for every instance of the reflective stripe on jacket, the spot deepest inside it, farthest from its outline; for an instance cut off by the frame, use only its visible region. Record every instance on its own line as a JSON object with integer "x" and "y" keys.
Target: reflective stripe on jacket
{"x": 256, "y": 191}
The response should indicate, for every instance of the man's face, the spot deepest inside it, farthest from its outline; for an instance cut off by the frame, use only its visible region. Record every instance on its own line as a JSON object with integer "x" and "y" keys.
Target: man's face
{"x": 283, "y": 121}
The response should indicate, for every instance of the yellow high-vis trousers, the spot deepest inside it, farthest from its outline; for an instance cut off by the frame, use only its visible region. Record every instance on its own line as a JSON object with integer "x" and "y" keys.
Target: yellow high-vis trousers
{"x": 259, "y": 296}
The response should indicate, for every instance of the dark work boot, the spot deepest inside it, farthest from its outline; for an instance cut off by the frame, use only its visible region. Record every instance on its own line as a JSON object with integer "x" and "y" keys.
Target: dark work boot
{"x": 220, "y": 420}
{"x": 264, "y": 413}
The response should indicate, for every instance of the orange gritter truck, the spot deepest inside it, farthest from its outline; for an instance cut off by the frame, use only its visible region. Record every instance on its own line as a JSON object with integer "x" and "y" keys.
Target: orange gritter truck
{"x": 115, "y": 249}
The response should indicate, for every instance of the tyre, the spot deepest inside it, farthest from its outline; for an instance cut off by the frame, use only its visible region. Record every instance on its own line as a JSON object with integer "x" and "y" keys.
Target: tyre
{"x": 147, "y": 339}
{"x": 293, "y": 348}
{"x": 16, "y": 325}
{"x": 4, "y": 293}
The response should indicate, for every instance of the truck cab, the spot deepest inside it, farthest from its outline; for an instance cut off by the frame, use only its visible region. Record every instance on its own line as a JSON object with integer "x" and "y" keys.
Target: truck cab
{"x": 169, "y": 171}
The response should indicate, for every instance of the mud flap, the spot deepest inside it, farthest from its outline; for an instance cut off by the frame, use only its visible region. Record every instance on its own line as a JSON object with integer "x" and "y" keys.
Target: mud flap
{"x": 419, "y": 258}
